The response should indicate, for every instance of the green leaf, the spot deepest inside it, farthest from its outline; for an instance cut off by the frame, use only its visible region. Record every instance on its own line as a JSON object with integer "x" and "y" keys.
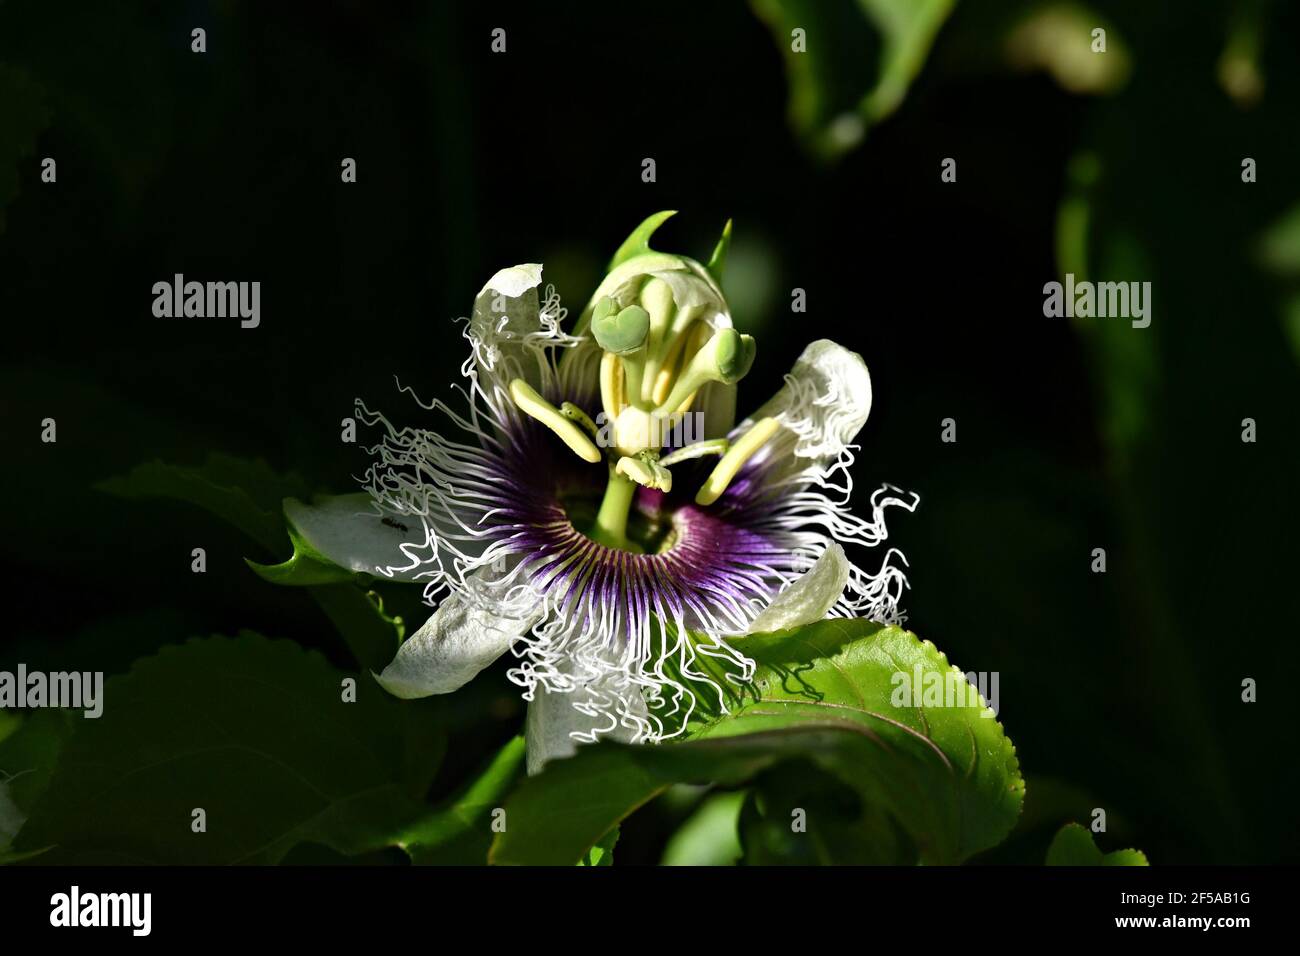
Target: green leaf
{"x": 460, "y": 832}
{"x": 29, "y": 747}
{"x": 306, "y": 567}
{"x": 1073, "y": 846}
{"x": 800, "y": 815}
{"x": 947, "y": 777}
{"x": 907, "y": 30}
{"x": 1115, "y": 226}
{"x": 602, "y": 854}
{"x": 245, "y": 494}
{"x": 372, "y": 635}
{"x": 249, "y": 495}
{"x": 254, "y": 732}
{"x": 858, "y": 61}
{"x": 28, "y": 753}
{"x": 709, "y": 836}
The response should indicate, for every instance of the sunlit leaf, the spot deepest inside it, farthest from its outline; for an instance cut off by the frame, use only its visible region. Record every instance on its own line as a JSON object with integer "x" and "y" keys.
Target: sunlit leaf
{"x": 460, "y": 831}
{"x": 947, "y": 775}
{"x": 1073, "y": 846}
{"x": 708, "y": 837}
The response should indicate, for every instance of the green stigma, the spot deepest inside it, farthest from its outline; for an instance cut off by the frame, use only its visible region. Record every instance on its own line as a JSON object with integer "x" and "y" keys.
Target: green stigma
{"x": 622, "y": 331}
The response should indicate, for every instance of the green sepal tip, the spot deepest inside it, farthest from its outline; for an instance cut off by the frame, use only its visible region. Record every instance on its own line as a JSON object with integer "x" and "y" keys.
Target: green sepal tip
{"x": 719, "y": 258}
{"x": 638, "y": 243}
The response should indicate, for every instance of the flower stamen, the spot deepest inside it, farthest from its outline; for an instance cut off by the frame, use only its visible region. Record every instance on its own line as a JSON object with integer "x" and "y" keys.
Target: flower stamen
{"x": 713, "y": 446}
{"x": 734, "y": 459}
{"x": 533, "y": 405}
{"x": 726, "y": 357}
{"x": 611, "y": 386}
{"x": 657, "y": 300}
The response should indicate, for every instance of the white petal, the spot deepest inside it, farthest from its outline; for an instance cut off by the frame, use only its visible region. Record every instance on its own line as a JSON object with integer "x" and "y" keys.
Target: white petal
{"x": 825, "y": 401}
{"x": 821, "y": 408}
{"x": 348, "y": 531}
{"x": 809, "y": 597}
{"x": 553, "y": 719}
{"x": 459, "y": 640}
{"x": 511, "y": 294}
{"x": 693, "y": 288}
{"x": 506, "y": 312}
{"x": 515, "y": 281}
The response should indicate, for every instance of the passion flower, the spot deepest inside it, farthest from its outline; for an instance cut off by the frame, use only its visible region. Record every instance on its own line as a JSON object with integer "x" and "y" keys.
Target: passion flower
{"x": 594, "y": 508}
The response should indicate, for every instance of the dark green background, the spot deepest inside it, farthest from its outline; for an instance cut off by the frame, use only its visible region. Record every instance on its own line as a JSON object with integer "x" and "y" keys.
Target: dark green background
{"x": 1120, "y": 690}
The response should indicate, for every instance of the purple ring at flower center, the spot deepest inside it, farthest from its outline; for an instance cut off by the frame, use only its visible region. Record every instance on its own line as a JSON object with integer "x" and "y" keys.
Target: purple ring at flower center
{"x": 702, "y": 563}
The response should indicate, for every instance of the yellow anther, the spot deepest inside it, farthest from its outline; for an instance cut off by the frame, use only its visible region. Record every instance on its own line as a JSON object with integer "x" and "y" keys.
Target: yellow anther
{"x": 674, "y": 359}
{"x": 532, "y": 404}
{"x": 611, "y": 386}
{"x": 701, "y": 332}
{"x": 657, "y": 300}
{"x": 663, "y": 382}
{"x": 731, "y": 463}
{"x": 725, "y": 356}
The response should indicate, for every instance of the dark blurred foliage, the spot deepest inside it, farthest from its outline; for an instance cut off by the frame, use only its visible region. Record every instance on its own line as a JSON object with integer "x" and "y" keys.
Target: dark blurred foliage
{"x": 1120, "y": 690}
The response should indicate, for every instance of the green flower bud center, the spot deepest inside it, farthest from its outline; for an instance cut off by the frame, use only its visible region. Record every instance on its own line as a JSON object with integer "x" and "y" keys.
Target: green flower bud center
{"x": 658, "y": 354}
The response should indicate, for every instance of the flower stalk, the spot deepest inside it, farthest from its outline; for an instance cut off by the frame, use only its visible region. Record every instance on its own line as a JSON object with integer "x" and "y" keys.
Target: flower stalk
{"x": 610, "y": 528}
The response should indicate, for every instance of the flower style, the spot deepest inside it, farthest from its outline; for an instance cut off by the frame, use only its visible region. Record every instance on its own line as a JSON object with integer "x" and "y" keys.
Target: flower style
{"x": 595, "y": 509}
